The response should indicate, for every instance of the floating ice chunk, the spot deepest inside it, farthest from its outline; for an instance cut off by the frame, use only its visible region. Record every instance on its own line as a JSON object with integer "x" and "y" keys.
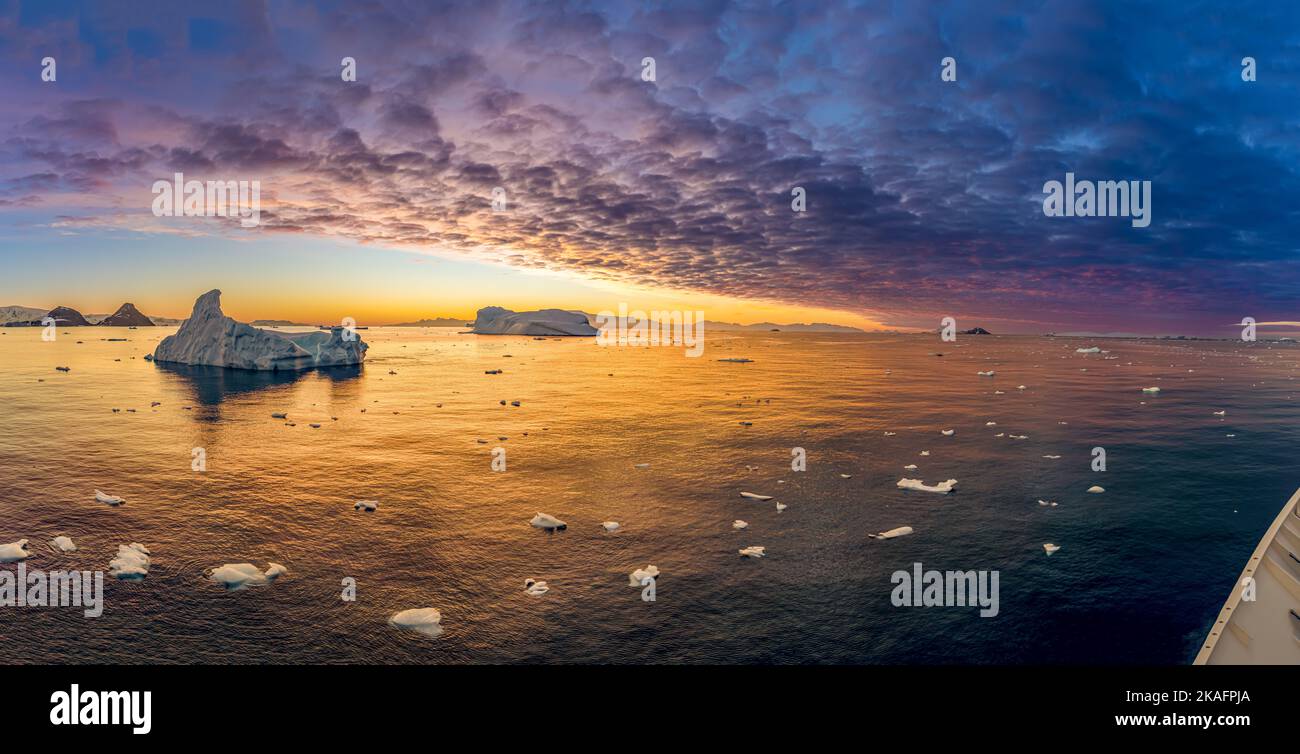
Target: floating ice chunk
{"x": 610, "y": 525}
{"x": 738, "y": 524}
{"x": 1050, "y": 548}
{"x": 132, "y": 562}
{"x": 424, "y": 620}
{"x": 279, "y": 415}
{"x": 548, "y": 522}
{"x": 109, "y": 499}
{"x": 14, "y": 552}
{"x": 998, "y": 392}
{"x": 1096, "y": 489}
{"x": 643, "y": 465}
{"x": 846, "y": 476}
{"x": 989, "y": 373}
{"x": 1220, "y": 413}
{"x": 535, "y": 588}
{"x": 753, "y": 496}
{"x": 780, "y": 507}
{"x": 62, "y": 544}
{"x": 1151, "y": 390}
{"x": 990, "y": 424}
{"x": 909, "y": 467}
{"x": 1047, "y": 504}
{"x": 368, "y": 506}
{"x": 890, "y": 434}
{"x": 925, "y": 452}
{"x": 237, "y": 576}
{"x": 1054, "y": 458}
{"x": 948, "y": 432}
{"x": 916, "y": 484}
{"x": 898, "y": 532}
{"x": 211, "y": 338}
{"x": 752, "y": 552}
{"x": 1019, "y": 437}
{"x": 641, "y": 574}
{"x": 1094, "y": 349}
{"x": 1021, "y": 387}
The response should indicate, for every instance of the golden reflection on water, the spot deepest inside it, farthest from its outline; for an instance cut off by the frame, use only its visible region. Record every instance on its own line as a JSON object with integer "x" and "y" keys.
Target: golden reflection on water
{"x": 452, "y": 533}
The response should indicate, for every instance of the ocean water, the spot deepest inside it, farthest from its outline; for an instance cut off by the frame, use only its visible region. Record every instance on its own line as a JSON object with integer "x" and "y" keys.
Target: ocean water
{"x": 1142, "y": 571}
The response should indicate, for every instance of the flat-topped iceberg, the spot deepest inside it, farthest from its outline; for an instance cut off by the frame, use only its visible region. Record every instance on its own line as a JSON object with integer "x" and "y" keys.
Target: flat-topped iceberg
{"x": 495, "y": 320}
{"x": 210, "y": 338}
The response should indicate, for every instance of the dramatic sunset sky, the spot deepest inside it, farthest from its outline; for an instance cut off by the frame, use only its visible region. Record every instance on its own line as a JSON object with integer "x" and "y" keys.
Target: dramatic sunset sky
{"x": 924, "y": 197}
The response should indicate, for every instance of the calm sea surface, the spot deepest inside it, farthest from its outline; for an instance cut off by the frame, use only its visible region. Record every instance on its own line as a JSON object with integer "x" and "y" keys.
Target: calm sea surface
{"x": 1142, "y": 571}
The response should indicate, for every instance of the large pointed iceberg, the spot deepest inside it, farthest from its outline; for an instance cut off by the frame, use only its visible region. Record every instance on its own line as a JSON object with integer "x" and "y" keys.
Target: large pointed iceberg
{"x": 210, "y": 338}
{"x": 495, "y": 320}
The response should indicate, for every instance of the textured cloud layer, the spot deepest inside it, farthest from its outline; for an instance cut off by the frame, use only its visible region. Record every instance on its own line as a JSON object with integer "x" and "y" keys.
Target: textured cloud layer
{"x": 924, "y": 197}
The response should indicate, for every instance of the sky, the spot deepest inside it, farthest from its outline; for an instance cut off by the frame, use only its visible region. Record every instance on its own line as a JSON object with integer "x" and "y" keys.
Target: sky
{"x": 924, "y": 197}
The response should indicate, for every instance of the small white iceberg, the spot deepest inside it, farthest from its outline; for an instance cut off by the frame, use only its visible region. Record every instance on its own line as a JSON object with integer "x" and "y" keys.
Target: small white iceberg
{"x": 1094, "y": 349}
{"x": 738, "y": 524}
{"x": 1096, "y": 489}
{"x": 14, "y": 552}
{"x": 942, "y": 488}
{"x": 132, "y": 562}
{"x": 641, "y": 574}
{"x": 548, "y": 522}
{"x": 610, "y": 525}
{"x": 989, "y": 373}
{"x": 368, "y": 506}
{"x": 62, "y": 544}
{"x": 752, "y": 496}
{"x": 898, "y": 532}
{"x": 1220, "y": 413}
{"x": 1050, "y": 548}
{"x": 1046, "y": 503}
{"x": 108, "y": 499}
{"x": 237, "y": 576}
{"x": 424, "y": 620}
{"x": 910, "y": 467}
{"x": 752, "y": 552}
{"x": 948, "y": 432}
{"x": 1151, "y": 390}
{"x": 535, "y": 588}
{"x": 780, "y": 507}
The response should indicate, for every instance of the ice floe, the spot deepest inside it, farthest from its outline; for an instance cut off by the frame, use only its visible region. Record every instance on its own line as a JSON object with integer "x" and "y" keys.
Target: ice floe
{"x": 237, "y": 576}
{"x": 535, "y": 588}
{"x": 753, "y": 496}
{"x": 1096, "y": 489}
{"x": 611, "y": 525}
{"x": 916, "y": 484}
{"x": 1151, "y": 390}
{"x": 738, "y": 524}
{"x": 14, "y": 552}
{"x": 897, "y": 532}
{"x": 108, "y": 499}
{"x": 641, "y": 574}
{"x": 424, "y": 620}
{"x": 548, "y": 522}
{"x": 62, "y": 544}
{"x": 1050, "y": 548}
{"x": 132, "y": 562}
{"x": 752, "y": 552}
{"x": 370, "y": 506}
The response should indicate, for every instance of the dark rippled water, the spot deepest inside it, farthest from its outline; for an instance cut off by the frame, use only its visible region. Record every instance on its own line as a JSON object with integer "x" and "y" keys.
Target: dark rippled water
{"x": 1142, "y": 572}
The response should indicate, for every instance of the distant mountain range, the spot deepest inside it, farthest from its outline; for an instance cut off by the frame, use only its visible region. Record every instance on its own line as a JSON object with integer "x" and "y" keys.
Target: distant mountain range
{"x": 439, "y": 322}
{"x": 64, "y": 316}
